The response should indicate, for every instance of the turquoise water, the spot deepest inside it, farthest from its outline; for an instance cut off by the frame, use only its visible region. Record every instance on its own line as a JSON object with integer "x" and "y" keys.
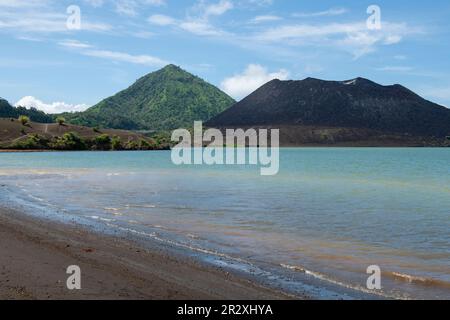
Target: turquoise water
{"x": 328, "y": 215}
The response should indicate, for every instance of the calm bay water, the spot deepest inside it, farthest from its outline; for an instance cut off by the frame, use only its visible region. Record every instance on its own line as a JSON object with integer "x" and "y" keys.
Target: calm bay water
{"x": 315, "y": 227}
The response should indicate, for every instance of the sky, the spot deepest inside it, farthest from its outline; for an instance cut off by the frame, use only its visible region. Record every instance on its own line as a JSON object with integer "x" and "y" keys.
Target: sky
{"x": 60, "y": 55}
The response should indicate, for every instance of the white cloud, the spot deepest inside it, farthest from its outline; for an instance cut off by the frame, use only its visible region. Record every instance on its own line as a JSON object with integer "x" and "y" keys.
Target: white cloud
{"x": 156, "y": 3}
{"x": 131, "y": 8}
{"x": 22, "y": 3}
{"x": 203, "y": 9}
{"x": 115, "y": 56}
{"x": 23, "y": 19}
{"x": 161, "y": 20}
{"x": 74, "y": 44}
{"x": 95, "y": 3}
{"x": 297, "y": 31}
{"x": 26, "y": 17}
{"x": 266, "y": 18}
{"x": 142, "y": 34}
{"x": 29, "y": 38}
{"x": 126, "y": 57}
{"x": 126, "y": 7}
{"x": 396, "y": 69}
{"x": 286, "y": 38}
{"x": 326, "y": 13}
{"x": 55, "y": 107}
{"x": 260, "y": 3}
{"x": 217, "y": 9}
{"x": 200, "y": 28}
{"x": 392, "y": 39}
{"x": 352, "y": 37}
{"x": 400, "y": 57}
{"x": 197, "y": 21}
{"x": 253, "y": 77}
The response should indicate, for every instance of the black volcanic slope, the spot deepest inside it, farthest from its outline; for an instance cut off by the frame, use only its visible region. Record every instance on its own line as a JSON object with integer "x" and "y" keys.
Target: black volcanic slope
{"x": 358, "y": 103}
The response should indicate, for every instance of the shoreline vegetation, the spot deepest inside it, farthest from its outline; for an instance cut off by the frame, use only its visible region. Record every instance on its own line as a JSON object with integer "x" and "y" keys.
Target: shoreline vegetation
{"x": 71, "y": 141}
{"x": 23, "y": 135}
{"x": 37, "y": 253}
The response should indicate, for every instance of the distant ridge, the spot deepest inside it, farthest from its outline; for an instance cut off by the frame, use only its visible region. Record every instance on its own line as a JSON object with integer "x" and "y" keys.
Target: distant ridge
{"x": 8, "y": 111}
{"x": 355, "y": 103}
{"x": 167, "y": 99}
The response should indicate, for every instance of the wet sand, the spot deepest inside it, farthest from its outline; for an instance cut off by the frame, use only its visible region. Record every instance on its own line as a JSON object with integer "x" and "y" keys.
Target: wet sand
{"x": 34, "y": 256}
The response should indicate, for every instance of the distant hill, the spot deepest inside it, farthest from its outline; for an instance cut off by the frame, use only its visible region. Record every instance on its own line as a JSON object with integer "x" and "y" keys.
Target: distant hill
{"x": 167, "y": 99}
{"x": 8, "y": 111}
{"x": 34, "y": 135}
{"x": 314, "y": 104}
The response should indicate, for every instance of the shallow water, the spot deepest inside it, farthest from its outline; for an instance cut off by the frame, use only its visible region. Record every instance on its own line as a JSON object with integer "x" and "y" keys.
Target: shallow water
{"x": 328, "y": 215}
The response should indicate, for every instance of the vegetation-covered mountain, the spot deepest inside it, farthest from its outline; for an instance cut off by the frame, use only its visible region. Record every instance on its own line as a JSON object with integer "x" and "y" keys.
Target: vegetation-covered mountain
{"x": 357, "y": 103}
{"x": 167, "y": 99}
{"x": 8, "y": 111}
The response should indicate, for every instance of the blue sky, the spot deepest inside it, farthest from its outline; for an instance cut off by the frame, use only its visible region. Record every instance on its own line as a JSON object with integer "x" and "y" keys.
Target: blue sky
{"x": 235, "y": 44}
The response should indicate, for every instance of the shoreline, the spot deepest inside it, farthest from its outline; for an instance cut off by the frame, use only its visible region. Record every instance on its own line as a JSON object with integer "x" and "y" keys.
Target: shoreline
{"x": 307, "y": 146}
{"x": 36, "y": 253}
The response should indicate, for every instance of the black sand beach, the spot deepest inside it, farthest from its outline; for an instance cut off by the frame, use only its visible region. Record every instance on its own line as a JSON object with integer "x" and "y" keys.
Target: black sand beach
{"x": 35, "y": 254}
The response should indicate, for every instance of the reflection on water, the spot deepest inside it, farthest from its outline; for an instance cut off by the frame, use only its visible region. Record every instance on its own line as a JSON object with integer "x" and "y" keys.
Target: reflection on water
{"x": 328, "y": 214}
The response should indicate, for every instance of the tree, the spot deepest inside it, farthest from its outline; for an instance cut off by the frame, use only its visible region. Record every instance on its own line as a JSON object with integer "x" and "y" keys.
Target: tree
{"x": 116, "y": 144}
{"x": 60, "y": 120}
{"x": 24, "y": 120}
{"x": 102, "y": 142}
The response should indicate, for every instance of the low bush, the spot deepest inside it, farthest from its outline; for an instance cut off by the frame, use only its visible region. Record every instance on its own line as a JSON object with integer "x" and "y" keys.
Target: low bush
{"x": 69, "y": 141}
{"x": 131, "y": 145}
{"x": 144, "y": 145}
{"x": 32, "y": 141}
